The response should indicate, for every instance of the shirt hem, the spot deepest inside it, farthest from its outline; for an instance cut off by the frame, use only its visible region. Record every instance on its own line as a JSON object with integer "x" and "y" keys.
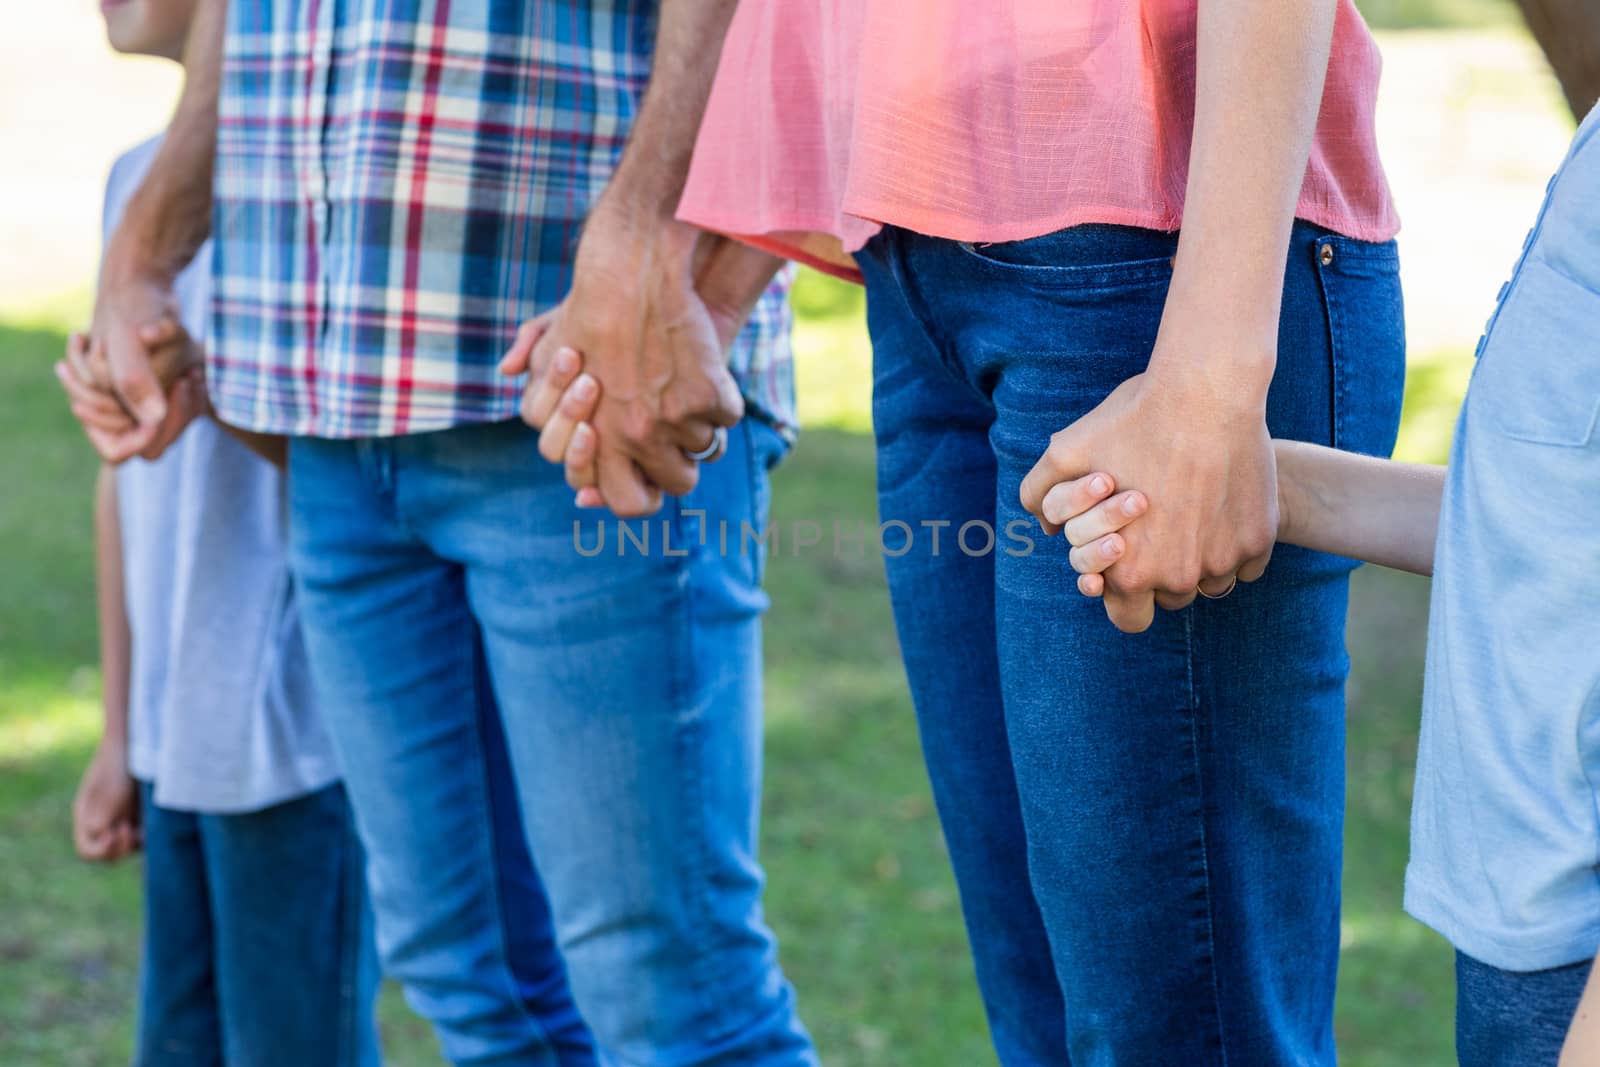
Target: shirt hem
{"x": 313, "y": 778}
{"x": 1554, "y": 946}
{"x": 957, "y": 228}
{"x": 316, "y": 428}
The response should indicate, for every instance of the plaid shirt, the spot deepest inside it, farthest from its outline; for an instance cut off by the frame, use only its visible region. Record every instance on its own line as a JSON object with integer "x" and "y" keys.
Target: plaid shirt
{"x": 399, "y": 183}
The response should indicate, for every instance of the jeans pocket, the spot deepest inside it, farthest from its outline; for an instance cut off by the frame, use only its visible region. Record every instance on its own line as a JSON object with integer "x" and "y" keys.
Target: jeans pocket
{"x": 765, "y": 448}
{"x": 1538, "y": 380}
{"x": 1092, "y": 256}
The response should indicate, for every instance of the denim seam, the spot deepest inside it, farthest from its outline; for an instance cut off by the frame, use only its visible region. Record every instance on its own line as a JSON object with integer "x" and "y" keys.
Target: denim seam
{"x": 693, "y": 863}
{"x": 1336, "y": 377}
{"x": 753, "y": 473}
{"x": 343, "y": 1053}
{"x": 1205, "y": 854}
{"x": 1092, "y": 278}
{"x": 491, "y": 866}
{"x": 349, "y": 954}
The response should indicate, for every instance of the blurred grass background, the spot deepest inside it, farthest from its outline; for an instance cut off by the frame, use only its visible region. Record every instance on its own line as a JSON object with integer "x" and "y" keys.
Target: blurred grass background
{"x": 861, "y": 893}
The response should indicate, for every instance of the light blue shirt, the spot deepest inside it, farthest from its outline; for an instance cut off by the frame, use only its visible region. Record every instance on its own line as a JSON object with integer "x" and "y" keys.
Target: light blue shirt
{"x": 221, "y": 714}
{"x": 1505, "y": 854}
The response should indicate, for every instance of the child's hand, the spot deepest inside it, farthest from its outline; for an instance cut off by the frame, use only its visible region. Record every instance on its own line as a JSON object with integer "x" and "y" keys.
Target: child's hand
{"x": 1090, "y": 518}
{"x": 105, "y": 814}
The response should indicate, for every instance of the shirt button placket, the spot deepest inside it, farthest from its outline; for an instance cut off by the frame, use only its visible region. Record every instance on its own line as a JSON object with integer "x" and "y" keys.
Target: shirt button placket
{"x": 316, "y": 163}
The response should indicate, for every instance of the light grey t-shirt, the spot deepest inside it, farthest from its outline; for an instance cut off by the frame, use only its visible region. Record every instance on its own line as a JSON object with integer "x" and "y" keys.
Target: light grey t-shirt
{"x": 222, "y": 718}
{"x": 1505, "y": 830}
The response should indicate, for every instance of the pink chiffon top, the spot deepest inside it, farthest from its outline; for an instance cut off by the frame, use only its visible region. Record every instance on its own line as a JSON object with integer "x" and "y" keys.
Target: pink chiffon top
{"x": 988, "y": 120}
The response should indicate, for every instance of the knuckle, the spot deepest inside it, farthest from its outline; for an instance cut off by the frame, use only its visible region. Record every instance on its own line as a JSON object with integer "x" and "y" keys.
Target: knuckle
{"x": 573, "y": 406}
{"x": 638, "y": 424}
{"x": 1129, "y": 578}
{"x": 1260, "y": 543}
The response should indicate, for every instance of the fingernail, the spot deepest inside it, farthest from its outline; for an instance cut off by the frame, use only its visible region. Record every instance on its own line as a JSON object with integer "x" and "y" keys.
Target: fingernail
{"x": 1110, "y": 549}
{"x": 1131, "y": 505}
{"x": 1098, "y": 486}
{"x": 566, "y": 361}
{"x": 584, "y": 387}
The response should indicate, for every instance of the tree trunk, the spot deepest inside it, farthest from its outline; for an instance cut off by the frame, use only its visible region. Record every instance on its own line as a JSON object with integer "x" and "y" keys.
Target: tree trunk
{"x": 1569, "y": 32}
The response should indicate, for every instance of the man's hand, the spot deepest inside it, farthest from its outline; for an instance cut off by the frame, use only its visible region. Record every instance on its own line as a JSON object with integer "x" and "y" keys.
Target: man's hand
{"x": 105, "y": 814}
{"x": 84, "y": 375}
{"x": 655, "y": 349}
{"x": 131, "y": 302}
{"x": 1203, "y": 459}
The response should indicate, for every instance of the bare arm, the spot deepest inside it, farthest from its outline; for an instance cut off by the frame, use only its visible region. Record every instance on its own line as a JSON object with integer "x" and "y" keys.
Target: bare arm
{"x": 1196, "y": 420}
{"x": 272, "y": 447}
{"x": 116, "y": 642}
{"x": 1358, "y": 506}
{"x": 1583, "y": 1040}
{"x": 730, "y": 280}
{"x": 164, "y": 224}
{"x": 105, "y": 812}
{"x": 647, "y": 336}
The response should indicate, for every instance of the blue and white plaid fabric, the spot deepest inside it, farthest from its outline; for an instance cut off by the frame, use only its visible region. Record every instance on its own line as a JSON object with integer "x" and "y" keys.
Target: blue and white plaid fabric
{"x": 399, "y": 184}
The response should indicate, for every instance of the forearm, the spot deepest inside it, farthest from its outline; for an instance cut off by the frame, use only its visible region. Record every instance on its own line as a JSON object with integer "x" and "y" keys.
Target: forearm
{"x": 1583, "y": 1039}
{"x": 116, "y": 642}
{"x": 169, "y": 217}
{"x": 1358, "y": 506}
{"x": 1259, "y": 81}
{"x": 732, "y": 276}
{"x": 272, "y": 447}
{"x": 649, "y": 181}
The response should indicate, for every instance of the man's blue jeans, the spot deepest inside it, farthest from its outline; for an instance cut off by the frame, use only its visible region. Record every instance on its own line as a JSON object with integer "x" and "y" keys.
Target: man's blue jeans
{"x": 448, "y": 581}
{"x": 1146, "y": 830}
{"x": 257, "y": 941}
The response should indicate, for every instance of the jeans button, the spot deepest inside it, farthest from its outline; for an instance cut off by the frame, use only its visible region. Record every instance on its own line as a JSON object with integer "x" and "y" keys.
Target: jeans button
{"x": 1327, "y": 255}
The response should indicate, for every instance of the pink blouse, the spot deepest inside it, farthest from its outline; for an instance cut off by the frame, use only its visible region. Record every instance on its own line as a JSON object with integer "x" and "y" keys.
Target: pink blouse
{"x": 988, "y": 120}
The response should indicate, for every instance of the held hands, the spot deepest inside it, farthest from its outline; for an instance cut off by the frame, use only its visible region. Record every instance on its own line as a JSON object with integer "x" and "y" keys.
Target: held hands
{"x": 88, "y": 379}
{"x": 1092, "y": 515}
{"x": 106, "y": 825}
{"x": 1207, "y": 513}
{"x": 138, "y": 351}
{"x": 655, "y": 346}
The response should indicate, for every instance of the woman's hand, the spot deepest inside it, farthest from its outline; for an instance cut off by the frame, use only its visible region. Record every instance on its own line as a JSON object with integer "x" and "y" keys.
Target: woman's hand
{"x": 1198, "y": 445}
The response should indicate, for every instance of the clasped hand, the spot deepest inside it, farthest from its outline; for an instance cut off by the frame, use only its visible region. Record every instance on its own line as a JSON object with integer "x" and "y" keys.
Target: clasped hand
{"x": 628, "y": 375}
{"x": 1202, "y": 511}
{"x": 172, "y": 366}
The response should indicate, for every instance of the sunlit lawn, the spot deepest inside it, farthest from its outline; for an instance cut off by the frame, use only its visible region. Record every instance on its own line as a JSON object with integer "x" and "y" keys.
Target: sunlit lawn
{"x": 860, "y": 889}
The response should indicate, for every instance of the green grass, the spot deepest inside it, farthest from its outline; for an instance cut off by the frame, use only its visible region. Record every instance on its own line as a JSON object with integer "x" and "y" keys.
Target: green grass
{"x": 861, "y": 893}
{"x": 1437, "y": 14}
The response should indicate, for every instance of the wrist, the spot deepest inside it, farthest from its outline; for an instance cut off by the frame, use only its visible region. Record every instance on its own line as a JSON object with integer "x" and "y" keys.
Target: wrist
{"x": 619, "y": 220}
{"x": 1293, "y": 500}
{"x": 127, "y": 260}
{"x": 113, "y": 748}
{"x": 1221, "y": 391}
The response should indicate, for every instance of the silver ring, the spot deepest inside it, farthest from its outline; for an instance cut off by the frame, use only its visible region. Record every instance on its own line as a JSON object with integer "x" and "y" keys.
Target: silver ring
{"x": 1222, "y": 594}
{"x": 719, "y": 442}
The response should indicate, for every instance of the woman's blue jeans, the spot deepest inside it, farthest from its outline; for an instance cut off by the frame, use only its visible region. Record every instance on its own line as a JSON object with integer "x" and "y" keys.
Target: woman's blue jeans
{"x": 1146, "y": 830}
